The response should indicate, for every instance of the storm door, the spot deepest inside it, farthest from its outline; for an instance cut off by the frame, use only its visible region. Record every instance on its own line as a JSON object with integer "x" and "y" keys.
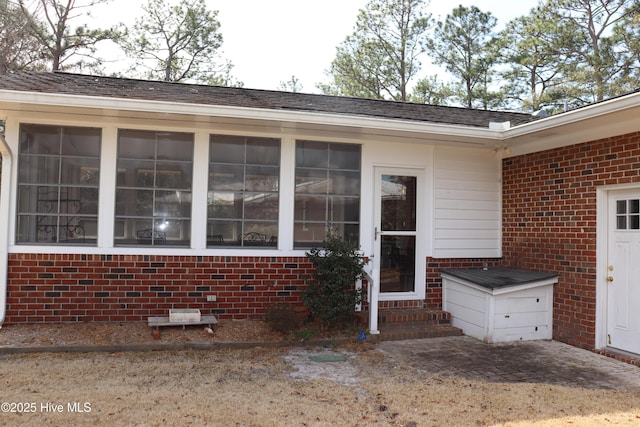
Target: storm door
{"x": 396, "y": 233}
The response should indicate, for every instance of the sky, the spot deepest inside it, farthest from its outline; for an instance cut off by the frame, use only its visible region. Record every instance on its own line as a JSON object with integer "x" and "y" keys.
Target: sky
{"x": 269, "y": 41}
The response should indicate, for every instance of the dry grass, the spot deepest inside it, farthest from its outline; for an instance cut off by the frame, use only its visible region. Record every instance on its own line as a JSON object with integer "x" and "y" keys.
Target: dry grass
{"x": 65, "y": 334}
{"x": 271, "y": 387}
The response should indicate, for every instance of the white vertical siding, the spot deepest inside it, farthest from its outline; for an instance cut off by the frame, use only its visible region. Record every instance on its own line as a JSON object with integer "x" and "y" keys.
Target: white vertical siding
{"x": 467, "y": 203}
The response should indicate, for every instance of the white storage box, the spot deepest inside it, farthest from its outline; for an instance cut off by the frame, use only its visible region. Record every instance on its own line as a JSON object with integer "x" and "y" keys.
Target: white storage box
{"x": 184, "y": 315}
{"x": 500, "y": 305}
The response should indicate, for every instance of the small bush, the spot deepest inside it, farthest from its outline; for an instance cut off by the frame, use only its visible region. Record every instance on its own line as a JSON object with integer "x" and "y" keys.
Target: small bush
{"x": 284, "y": 318}
{"x": 331, "y": 295}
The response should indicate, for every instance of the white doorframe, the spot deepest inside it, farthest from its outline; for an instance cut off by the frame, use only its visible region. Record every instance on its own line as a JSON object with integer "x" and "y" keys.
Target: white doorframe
{"x": 421, "y": 236}
{"x": 602, "y": 254}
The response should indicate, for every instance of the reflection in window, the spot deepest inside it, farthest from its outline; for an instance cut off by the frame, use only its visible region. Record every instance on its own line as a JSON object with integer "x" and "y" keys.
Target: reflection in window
{"x": 398, "y": 203}
{"x": 242, "y": 201}
{"x": 628, "y": 214}
{"x": 153, "y": 189}
{"x": 58, "y": 171}
{"x": 327, "y": 194}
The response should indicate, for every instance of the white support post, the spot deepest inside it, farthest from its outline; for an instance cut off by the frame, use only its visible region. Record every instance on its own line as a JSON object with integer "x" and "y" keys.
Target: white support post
{"x": 374, "y": 290}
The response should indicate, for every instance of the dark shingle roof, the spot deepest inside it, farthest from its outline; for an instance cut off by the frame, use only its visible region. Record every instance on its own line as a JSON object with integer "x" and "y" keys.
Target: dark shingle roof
{"x": 112, "y": 87}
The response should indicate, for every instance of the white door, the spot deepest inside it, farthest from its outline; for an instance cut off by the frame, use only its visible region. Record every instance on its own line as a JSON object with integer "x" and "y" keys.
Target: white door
{"x": 399, "y": 233}
{"x": 623, "y": 273}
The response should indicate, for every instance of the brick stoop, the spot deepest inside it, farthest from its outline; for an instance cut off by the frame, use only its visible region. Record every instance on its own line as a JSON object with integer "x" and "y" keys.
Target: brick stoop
{"x": 404, "y": 324}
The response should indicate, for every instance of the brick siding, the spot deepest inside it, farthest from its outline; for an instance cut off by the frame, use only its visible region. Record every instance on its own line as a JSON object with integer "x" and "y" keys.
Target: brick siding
{"x": 114, "y": 288}
{"x": 549, "y": 222}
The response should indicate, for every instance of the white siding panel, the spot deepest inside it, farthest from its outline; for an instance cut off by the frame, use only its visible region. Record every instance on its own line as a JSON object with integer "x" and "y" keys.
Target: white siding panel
{"x": 467, "y": 203}
{"x": 461, "y": 224}
{"x": 466, "y": 175}
{"x": 468, "y": 214}
{"x": 466, "y": 234}
{"x": 481, "y": 205}
{"x": 466, "y": 196}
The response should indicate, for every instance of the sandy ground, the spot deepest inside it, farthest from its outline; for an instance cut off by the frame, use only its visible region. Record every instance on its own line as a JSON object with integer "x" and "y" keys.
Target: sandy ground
{"x": 275, "y": 387}
{"x": 354, "y": 384}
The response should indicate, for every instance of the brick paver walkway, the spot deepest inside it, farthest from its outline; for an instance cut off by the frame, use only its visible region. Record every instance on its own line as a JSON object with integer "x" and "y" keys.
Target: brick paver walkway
{"x": 548, "y": 362}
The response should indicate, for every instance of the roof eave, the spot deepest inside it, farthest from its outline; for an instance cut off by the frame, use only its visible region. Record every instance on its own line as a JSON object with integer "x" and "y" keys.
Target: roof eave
{"x": 605, "y": 119}
{"x": 485, "y": 136}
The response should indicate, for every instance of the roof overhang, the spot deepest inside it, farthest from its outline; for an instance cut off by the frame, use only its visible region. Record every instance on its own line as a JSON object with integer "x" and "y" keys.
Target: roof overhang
{"x": 609, "y": 118}
{"x": 260, "y": 119}
{"x": 617, "y": 116}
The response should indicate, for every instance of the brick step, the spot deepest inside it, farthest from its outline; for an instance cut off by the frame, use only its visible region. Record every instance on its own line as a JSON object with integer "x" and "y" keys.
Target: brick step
{"x": 405, "y": 324}
{"x": 429, "y": 331}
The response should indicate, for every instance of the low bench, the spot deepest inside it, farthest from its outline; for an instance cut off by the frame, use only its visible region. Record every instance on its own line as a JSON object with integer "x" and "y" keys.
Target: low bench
{"x": 156, "y": 322}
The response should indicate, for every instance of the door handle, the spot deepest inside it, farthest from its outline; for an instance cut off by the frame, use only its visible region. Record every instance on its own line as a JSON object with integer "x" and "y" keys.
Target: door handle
{"x": 375, "y": 234}
{"x": 609, "y": 279}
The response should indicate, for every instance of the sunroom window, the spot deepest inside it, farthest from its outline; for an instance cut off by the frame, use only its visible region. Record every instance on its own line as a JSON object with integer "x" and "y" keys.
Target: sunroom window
{"x": 153, "y": 190}
{"x": 327, "y": 194}
{"x": 58, "y": 171}
{"x": 242, "y": 201}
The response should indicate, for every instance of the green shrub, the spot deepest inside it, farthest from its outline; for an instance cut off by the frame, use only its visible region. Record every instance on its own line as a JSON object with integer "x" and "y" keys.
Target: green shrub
{"x": 331, "y": 296}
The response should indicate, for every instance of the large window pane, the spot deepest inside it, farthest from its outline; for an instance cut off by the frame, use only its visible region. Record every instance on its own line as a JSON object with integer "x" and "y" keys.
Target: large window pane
{"x": 80, "y": 142}
{"x": 344, "y": 156}
{"x": 327, "y": 195}
{"x": 58, "y": 174}
{"x": 312, "y": 154}
{"x": 39, "y": 169}
{"x": 226, "y": 177}
{"x": 153, "y": 192}
{"x": 345, "y": 182}
{"x": 243, "y": 198}
{"x": 312, "y": 181}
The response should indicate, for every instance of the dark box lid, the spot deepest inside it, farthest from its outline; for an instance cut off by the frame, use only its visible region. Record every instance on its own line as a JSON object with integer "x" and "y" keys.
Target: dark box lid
{"x": 494, "y": 278}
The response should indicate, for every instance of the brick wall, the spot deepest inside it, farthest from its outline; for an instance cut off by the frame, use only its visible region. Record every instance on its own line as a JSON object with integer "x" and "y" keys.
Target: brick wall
{"x": 549, "y": 221}
{"x": 111, "y": 288}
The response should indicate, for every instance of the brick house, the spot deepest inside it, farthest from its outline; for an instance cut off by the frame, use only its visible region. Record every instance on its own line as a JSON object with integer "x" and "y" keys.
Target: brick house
{"x": 124, "y": 198}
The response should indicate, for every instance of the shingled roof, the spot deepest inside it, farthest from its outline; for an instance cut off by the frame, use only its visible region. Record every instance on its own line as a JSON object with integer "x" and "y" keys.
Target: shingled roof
{"x": 112, "y": 87}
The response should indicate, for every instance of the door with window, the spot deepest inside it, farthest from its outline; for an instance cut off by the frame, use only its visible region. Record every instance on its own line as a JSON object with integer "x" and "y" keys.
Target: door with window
{"x": 398, "y": 233}
{"x": 623, "y": 272}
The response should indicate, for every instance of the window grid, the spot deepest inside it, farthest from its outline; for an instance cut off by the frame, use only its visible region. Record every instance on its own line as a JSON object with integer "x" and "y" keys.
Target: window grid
{"x": 243, "y": 193}
{"x": 628, "y": 214}
{"x": 58, "y": 174}
{"x": 153, "y": 191}
{"x": 327, "y": 194}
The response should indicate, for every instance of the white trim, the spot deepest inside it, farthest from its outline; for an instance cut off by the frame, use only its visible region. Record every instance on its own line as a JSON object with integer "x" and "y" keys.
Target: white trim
{"x": 153, "y": 250}
{"x": 602, "y": 255}
{"x": 574, "y": 116}
{"x": 602, "y": 235}
{"x": 421, "y": 233}
{"x": 199, "y": 189}
{"x": 6, "y": 185}
{"x": 287, "y": 193}
{"x": 615, "y": 116}
{"x": 107, "y": 197}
